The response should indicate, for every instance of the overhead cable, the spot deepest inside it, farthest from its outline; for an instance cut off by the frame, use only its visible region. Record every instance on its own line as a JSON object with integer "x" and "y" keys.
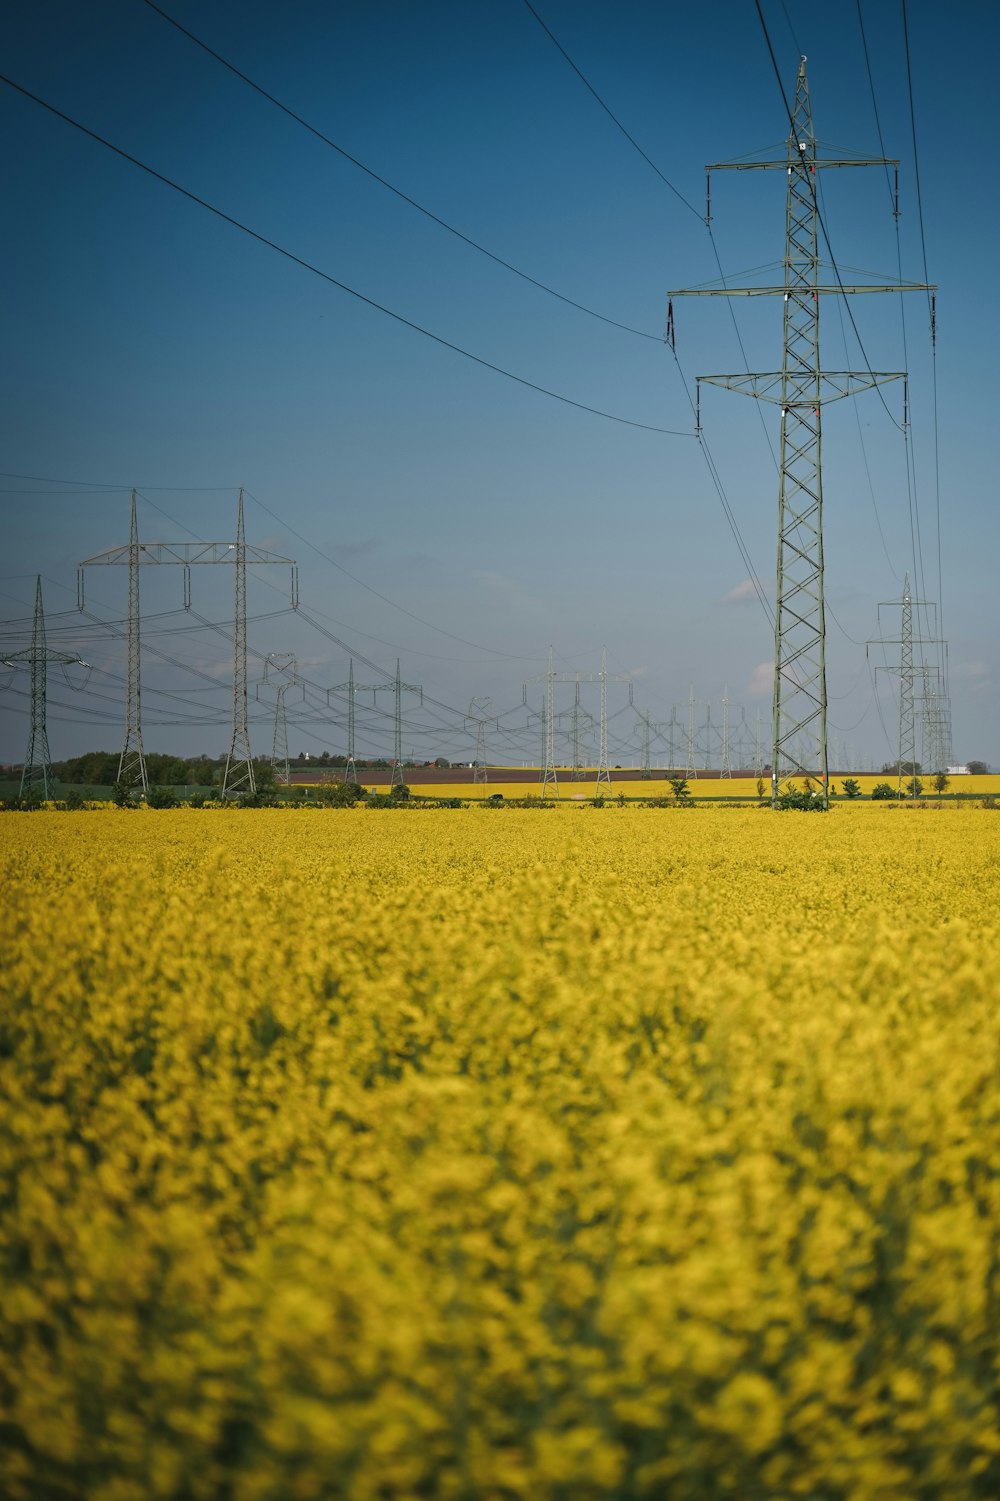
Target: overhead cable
{"x": 384, "y": 182}
{"x": 611, "y": 115}
{"x": 333, "y": 281}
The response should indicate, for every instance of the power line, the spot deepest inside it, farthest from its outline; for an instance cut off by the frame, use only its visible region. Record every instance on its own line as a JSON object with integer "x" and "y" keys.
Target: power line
{"x": 282, "y": 521}
{"x": 333, "y": 281}
{"x": 609, "y": 112}
{"x": 710, "y": 462}
{"x": 383, "y": 182}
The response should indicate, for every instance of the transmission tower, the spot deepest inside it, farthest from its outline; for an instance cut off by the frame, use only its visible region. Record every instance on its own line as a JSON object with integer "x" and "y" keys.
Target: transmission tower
{"x": 398, "y": 688}
{"x": 649, "y": 731}
{"x": 935, "y": 720}
{"x": 906, "y": 640}
{"x": 351, "y": 688}
{"x": 672, "y": 729}
{"x": 281, "y": 672}
{"x": 239, "y": 775}
{"x": 547, "y": 716}
{"x": 725, "y": 769}
{"x": 603, "y": 769}
{"x": 578, "y": 716}
{"x": 691, "y": 769}
{"x": 801, "y": 388}
{"x": 132, "y": 763}
{"x": 707, "y": 747}
{"x": 37, "y": 768}
{"x": 481, "y": 713}
{"x": 550, "y": 678}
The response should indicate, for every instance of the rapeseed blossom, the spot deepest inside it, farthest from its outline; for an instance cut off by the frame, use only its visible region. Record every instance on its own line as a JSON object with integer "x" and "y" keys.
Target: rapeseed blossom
{"x": 578, "y": 1158}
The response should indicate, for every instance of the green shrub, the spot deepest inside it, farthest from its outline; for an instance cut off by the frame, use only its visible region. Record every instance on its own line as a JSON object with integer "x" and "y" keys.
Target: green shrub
{"x": 162, "y": 797}
{"x": 801, "y": 800}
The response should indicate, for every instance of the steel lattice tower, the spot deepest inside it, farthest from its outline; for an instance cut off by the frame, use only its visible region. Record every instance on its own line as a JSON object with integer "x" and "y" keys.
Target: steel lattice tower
{"x": 281, "y": 672}
{"x": 801, "y": 387}
{"x": 132, "y": 764}
{"x": 398, "y": 688}
{"x": 934, "y": 718}
{"x": 691, "y": 769}
{"x": 603, "y": 770}
{"x": 239, "y": 773}
{"x": 726, "y": 769}
{"x": 549, "y": 769}
{"x": 547, "y": 715}
{"x": 907, "y": 719}
{"x": 649, "y": 730}
{"x": 906, "y": 641}
{"x": 481, "y": 713}
{"x": 576, "y": 715}
{"x": 37, "y": 768}
{"x": 239, "y": 767}
{"x": 351, "y": 688}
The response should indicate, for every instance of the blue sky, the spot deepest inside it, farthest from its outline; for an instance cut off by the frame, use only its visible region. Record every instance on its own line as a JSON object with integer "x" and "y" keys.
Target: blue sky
{"x": 149, "y": 343}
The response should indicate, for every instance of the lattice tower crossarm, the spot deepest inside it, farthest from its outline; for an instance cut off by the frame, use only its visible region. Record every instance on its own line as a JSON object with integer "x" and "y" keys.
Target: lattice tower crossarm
{"x": 799, "y": 712}
{"x": 37, "y": 768}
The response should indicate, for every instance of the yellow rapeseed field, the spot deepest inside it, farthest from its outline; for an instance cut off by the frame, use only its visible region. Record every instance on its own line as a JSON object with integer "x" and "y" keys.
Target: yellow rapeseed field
{"x": 560, "y": 1155}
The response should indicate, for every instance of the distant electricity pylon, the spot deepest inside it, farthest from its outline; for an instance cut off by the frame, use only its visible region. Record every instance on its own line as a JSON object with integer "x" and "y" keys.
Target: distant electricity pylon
{"x": 649, "y": 731}
{"x": 549, "y": 716}
{"x": 758, "y": 760}
{"x": 936, "y": 720}
{"x": 577, "y": 716}
{"x": 398, "y": 688}
{"x": 691, "y": 768}
{"x": 481, "y": 713}
{"x": 906, "y": 640}
{"x": 351, "y": 688}
{"x": 672, "y": 729}
{"x": 726, "y": 769}
{"x": 37, "y": 768}
{"x": 800, "y": 388}
{"x": 603, "y": 769}
{"x": 239, "y": 774}
{"x": 281, "y": 672}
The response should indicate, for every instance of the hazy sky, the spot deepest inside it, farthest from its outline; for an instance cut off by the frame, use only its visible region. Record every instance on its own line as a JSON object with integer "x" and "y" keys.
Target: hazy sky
{"x": 149, "y": 343}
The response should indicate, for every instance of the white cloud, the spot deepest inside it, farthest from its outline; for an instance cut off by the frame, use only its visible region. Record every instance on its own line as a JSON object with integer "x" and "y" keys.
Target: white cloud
{"x": 761, "y": 680}
{"x": 971, "y": 671}
{"x": 742, "y": 592}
